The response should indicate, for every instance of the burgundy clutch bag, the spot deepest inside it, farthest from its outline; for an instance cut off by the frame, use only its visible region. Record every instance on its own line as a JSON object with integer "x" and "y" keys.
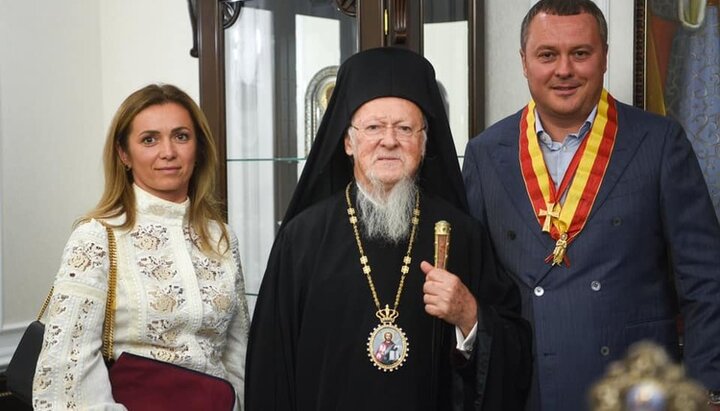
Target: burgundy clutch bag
{"x": 141, "y": 383}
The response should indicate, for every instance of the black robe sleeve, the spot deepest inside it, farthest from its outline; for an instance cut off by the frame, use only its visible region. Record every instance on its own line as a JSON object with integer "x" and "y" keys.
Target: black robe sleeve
{"x": 497, "y": 375}
{"x": 270, "y": 373}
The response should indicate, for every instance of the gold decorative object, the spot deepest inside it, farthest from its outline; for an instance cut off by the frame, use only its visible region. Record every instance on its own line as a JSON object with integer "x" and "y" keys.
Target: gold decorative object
{"x": 387, "y": 345}
{"x": 647, "y": 380}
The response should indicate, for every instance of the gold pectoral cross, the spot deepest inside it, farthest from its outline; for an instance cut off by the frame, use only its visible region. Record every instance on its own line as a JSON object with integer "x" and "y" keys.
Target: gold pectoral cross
{"x": 549, "y": 212}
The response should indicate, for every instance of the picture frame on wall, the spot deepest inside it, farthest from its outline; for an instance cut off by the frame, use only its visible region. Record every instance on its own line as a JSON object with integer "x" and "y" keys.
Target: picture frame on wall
{"x": 677, "y": 73}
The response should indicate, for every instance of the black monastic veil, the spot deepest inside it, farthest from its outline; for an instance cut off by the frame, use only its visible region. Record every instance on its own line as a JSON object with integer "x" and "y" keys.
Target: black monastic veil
{"x": 314, "y": 313}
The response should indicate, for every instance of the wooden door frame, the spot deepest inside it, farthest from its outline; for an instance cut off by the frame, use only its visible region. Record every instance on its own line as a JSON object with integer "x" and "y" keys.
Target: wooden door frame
{"x": 476, "y": 59}
{"x": 211, "y": 60}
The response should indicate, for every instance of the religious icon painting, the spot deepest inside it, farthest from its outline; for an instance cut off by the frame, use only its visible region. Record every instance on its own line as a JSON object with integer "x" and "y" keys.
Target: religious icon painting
{"x": 317, "y": 97}
{"x": 387, "y": 347}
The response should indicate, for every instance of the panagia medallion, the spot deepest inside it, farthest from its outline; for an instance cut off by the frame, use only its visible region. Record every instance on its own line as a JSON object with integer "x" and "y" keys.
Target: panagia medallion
{"x": 387, "y": 345}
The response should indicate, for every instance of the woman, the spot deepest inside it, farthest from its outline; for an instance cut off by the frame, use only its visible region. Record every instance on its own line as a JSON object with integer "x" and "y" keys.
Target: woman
{"x": 180, "y": 290}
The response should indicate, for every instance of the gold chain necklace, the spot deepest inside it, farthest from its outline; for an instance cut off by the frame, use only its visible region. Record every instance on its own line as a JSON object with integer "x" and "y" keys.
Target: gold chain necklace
{"x": 387, "y": 346}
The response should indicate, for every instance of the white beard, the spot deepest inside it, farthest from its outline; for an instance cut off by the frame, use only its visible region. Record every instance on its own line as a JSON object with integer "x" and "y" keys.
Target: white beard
{"x": 387, "y": 215}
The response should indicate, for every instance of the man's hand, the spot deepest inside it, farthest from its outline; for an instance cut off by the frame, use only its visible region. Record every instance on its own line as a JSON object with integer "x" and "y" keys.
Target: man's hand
{"x": 447, "y": 298}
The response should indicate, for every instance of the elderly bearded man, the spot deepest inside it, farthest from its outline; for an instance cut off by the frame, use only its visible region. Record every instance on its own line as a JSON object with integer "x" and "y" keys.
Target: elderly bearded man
{"x": 351, "y": 262}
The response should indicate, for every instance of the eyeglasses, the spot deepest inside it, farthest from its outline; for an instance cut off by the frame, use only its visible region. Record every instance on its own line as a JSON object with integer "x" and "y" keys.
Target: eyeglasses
{"x": 377, "y": 130}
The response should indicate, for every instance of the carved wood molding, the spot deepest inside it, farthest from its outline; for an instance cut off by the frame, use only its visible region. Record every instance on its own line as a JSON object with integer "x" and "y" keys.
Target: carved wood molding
{"x": 399, "y": 23}
{"x": 348, "y": 7}
{"x": 229, "y": 9}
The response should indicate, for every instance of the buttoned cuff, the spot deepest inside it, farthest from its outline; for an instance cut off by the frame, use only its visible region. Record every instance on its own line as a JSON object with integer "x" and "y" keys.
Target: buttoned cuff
{"x": 466, "y": 344}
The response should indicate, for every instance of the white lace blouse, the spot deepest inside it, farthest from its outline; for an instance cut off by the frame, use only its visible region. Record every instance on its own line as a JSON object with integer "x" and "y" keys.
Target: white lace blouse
{"x": 174, "y": 303}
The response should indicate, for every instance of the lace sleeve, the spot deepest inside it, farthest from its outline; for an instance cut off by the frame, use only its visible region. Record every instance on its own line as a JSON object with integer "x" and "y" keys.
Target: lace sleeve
{"x": 71, "y": 373}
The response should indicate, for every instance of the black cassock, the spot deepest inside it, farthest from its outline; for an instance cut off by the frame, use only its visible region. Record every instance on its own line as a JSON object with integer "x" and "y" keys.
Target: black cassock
{"x": 315, "y": 313}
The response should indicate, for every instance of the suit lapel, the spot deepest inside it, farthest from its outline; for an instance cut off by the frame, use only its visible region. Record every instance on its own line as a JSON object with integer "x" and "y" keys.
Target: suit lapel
{"x": 626, "y": 145}
{"x": 508, "y": 164}
{"x": 506, "y": 160}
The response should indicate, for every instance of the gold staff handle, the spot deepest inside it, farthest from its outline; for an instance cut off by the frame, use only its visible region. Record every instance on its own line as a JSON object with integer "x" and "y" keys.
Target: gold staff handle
{"x": 442, "y": 243}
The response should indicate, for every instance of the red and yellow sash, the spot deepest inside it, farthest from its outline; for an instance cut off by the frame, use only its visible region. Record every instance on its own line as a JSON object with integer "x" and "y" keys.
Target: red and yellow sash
{"x": 582, "y": 179}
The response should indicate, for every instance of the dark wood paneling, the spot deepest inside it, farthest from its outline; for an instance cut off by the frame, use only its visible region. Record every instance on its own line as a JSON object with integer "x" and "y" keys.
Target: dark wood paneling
{"x": 476, "y": 59}
{"x": 370, "y": 23}
{"x": 211, "y": 56}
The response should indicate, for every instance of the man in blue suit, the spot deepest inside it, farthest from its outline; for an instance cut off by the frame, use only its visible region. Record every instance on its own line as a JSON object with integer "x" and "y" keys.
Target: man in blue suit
{"x": 599, "y": 212}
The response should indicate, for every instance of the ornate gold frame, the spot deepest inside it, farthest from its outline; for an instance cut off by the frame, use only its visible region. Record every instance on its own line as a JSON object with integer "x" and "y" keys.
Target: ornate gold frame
{"x": 317, "y": 96}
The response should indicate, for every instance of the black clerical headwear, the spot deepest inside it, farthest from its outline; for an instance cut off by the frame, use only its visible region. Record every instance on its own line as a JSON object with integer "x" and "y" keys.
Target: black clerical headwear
{"x": 371, "y": 74}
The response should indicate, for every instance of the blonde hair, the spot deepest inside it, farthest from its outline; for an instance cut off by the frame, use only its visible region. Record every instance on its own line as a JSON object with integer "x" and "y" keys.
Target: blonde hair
{"x": 118, "y": 197}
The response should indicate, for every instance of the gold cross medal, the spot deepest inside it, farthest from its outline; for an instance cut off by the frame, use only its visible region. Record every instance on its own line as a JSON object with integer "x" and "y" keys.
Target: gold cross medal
{"x": 551, "y": 211}
{"x": 387, "y": 345}
{"x": 558, "y": 254}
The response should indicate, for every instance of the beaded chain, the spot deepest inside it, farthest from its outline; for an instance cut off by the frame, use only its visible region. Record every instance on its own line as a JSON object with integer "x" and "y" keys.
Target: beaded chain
{"x": 364, "y": 260}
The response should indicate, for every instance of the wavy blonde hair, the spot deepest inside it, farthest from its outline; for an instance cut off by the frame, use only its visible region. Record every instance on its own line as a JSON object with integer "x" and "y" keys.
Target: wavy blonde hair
{"x": 118, "y": 197}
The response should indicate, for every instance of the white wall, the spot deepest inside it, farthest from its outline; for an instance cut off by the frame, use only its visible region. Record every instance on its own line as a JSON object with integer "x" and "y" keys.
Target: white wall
{"x": 505, "y": 85}
{"x": 65, "y": 66}
{"x": 144, "y": 41}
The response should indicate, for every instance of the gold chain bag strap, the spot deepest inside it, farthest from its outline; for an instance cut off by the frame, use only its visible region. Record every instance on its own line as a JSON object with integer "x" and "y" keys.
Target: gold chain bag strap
{"x": 21, "y": 369}
{"x": 109, "y": 323}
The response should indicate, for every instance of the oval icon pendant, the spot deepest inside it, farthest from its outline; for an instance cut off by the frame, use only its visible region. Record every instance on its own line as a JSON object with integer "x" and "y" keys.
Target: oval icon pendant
{"x": 387, "y": 347}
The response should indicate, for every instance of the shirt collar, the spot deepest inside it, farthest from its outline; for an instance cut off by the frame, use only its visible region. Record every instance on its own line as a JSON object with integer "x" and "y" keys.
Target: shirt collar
{"x": 151, "y": 205}
{"x": 544, "y": 137}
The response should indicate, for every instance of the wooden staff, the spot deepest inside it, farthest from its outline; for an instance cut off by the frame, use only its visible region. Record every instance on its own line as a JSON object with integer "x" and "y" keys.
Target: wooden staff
{"x": 442, "y": 243}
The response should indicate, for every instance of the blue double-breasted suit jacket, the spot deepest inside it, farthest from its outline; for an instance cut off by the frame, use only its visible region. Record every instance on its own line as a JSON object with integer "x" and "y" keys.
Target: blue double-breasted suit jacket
{"x": 649, "y": 250}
